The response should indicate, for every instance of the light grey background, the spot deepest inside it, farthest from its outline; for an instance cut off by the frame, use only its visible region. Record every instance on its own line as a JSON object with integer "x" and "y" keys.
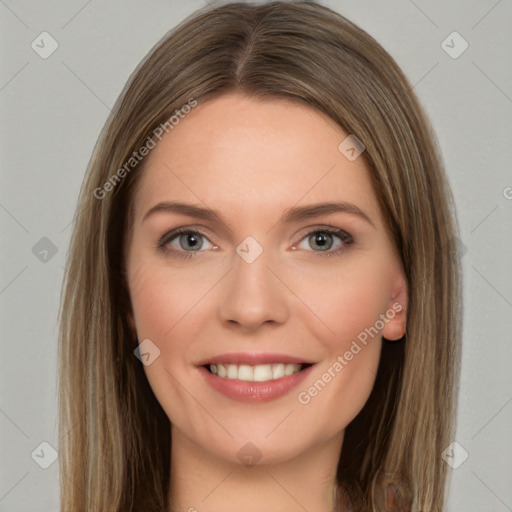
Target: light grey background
{"x": 53, "y": 110}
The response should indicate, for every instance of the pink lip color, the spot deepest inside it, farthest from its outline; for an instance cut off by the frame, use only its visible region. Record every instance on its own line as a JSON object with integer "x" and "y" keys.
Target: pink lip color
{"x": 253, "y": 359}
{"x": 244, "y": 391}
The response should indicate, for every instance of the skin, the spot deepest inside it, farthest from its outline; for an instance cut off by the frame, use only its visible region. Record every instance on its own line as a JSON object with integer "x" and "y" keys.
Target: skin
{"x": 250, "y": 160}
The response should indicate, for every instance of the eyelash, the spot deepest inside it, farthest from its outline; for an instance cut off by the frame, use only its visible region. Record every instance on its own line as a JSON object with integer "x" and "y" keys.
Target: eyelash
{"x": 345, "y": 237}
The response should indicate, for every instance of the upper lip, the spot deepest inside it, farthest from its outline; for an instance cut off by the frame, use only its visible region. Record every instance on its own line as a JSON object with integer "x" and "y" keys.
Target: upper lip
{"x": 253, "y": 359}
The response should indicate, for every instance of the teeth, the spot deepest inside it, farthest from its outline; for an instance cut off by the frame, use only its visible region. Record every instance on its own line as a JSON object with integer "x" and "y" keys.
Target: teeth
{"x": 258, "y": 373}
{"x": 232, "y": 371}
{"x": 277, "y": 371}
{"x": 245, "y": 372}
{"x": 263, "y": 372}
{"x": 288, "y": 369}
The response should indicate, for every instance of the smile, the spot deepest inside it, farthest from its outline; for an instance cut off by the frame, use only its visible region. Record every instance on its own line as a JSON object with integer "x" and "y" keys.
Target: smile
{"x": 254, "y": 377}
{"x": 256, "y": 373}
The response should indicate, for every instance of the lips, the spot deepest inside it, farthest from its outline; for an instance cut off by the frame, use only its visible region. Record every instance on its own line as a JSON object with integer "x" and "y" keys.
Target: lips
{"x": 255, "y": 377}
{"x": 253, "y": 359}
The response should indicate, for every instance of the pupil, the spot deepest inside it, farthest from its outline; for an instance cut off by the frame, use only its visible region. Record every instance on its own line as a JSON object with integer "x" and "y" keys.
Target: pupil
{"x": 192, "y": 241}
{"x": 322, "y": 241}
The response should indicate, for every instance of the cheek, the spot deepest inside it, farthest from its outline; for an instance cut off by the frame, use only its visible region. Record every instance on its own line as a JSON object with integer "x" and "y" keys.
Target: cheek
{"x": 163, "y": 298}
{"x": 170, "y": 308}
{"x": 155, "y": 309}
{"x": 346, "y": 299}
{"x": 343, "y": 381}
{"x": 348, "y": 303}
{"x": 167, "y": 312}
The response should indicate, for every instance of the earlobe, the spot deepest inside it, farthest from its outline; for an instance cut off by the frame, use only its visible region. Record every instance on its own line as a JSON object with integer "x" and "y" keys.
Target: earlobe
{"x": 396, "y": 314}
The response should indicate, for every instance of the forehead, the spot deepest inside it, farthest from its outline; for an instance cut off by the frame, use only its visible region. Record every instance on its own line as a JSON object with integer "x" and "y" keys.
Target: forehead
{"x": 253, "y": 156}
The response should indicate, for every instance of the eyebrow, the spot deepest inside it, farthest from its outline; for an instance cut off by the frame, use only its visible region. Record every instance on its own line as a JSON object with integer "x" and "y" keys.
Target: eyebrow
{"x": 294, "y": 214}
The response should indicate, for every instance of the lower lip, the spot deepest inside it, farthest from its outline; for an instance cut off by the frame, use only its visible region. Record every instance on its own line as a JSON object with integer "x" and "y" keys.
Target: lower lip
{"x": 244, "y": 391}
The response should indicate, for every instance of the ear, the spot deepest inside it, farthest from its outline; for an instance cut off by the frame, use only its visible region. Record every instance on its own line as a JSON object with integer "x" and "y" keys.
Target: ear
{"x": 396, "y": 313}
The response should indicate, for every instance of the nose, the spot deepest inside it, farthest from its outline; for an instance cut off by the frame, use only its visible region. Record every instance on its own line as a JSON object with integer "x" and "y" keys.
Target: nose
{"x": 253, "y": 295}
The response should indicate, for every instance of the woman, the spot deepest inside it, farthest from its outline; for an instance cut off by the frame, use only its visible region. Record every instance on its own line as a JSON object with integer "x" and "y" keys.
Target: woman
{"x": 261, "y": 308}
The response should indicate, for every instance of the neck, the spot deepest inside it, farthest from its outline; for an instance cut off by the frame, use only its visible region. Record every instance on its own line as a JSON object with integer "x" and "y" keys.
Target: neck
{"x": 203, "y": 482}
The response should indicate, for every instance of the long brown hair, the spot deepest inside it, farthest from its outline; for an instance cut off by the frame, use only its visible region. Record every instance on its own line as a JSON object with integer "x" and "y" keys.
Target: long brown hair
{"x": 114, "y": 436}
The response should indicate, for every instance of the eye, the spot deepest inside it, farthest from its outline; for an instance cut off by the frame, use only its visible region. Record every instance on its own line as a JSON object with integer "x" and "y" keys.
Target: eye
{"x": 323, "y": 240}
{"x": 183, "y": 241}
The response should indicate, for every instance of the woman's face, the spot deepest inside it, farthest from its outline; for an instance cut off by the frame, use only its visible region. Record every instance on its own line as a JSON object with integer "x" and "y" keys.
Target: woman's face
{"x": 263, "y": 320}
